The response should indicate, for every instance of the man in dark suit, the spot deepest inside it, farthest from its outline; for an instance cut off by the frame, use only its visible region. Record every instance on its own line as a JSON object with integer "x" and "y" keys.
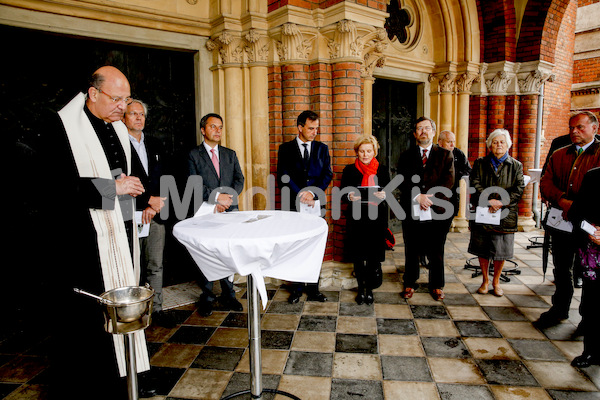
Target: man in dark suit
{"x": 304, "y": 172}
{"x": 424, "y": 167}
{"x": 223, "y": 181}
{"x": 147, "y": 164}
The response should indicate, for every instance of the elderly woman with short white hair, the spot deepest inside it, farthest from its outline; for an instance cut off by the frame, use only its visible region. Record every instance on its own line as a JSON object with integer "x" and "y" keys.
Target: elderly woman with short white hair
{"x": 502, "y": 176}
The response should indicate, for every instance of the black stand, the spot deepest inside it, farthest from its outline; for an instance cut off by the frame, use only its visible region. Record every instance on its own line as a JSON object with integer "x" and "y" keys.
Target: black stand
{"x": 256, "y": 390}
{"x": 503, "y": 276}
{"x": 535, "y": 242}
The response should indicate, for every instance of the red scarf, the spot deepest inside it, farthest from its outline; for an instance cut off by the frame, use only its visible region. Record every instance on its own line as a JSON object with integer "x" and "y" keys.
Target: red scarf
{"x": 368, "y": 171}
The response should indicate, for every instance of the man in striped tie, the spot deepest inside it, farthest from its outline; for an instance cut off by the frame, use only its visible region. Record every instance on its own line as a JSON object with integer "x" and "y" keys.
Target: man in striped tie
{"x": 428, "y": 170}
{"x": 223, "y": 181}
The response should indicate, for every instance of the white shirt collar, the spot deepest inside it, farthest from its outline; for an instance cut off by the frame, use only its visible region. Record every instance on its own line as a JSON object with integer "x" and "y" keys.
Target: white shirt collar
{"x": 426, "y": 148}
{"x": 208, "y": 149}
{"x": 301, "y": 143}
{"x": 585, "y": 146}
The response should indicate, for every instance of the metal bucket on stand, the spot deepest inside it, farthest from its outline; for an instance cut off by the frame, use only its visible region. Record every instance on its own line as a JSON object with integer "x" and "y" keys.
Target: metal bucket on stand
{"x": 126, "y": 310}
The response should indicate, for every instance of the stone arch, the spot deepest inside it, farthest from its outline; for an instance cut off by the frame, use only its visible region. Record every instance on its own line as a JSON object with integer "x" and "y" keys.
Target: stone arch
{"x": 539, "y": 30}
{"x": 456, "y": 23}
{"x": 498, "y": 35}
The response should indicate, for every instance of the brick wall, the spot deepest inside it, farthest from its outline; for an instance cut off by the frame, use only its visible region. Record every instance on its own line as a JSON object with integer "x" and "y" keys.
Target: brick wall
{"x": 587, "y": 70}
{"x": 498, "y": 30}
{"x": 335, "y": 92}
{"x": 557, "y": 101}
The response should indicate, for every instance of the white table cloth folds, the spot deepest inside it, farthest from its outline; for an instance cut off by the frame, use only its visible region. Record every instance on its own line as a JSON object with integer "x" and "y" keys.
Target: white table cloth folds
{"x": 278, "y": 244}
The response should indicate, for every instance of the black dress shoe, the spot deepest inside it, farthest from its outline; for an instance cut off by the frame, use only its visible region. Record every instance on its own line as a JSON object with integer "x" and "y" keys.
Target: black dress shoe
{"x": 147, "y": 391}
{"x": 369, "y": 297}
{"x": 205, "y": 307}
{"x": 147, "y": 386}
{"x": 548, "y": 319}
{"x": 320, "y": 297}
{"x": 360, "y": 298}
{"x": 231, "y": 303}
{"x": 294, "y": 297}
{"x": 584, "y": 361}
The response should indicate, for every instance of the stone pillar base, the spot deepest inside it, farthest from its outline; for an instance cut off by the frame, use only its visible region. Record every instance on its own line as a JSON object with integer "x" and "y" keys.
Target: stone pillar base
{"x": 526, "y": 224}
{"x": 460, "y": 224}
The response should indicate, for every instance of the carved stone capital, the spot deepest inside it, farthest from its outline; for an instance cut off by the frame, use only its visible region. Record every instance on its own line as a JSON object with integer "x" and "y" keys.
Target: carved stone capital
{"x": 373, "y": 46}
{"x": 465, "y": 81}
{"x": 257, "y": 46}
{"x": 293, "y": 45}
{"x": 530, "y": 82}
{"x": 499, "y": 83}
{"x": 446, "y": 81}
{"x": 345, "y": 41}
{"x": 229, "y": 47}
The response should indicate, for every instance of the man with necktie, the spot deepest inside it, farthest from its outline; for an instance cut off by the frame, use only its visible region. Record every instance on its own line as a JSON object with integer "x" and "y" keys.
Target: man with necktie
{"x": 560, "y": 185}
{"x": 427, "y": 168}
{"x": 223, "y": 181}
{"x": 303, "y": 163}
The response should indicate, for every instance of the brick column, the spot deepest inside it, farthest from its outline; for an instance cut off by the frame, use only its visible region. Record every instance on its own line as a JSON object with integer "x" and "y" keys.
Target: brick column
{"x": 526, "y": 151}
{"x": 347, "y": 126}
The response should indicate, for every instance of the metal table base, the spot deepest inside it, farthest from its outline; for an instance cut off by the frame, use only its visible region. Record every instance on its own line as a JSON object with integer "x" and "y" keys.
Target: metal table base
{"x": 254, "y": 337}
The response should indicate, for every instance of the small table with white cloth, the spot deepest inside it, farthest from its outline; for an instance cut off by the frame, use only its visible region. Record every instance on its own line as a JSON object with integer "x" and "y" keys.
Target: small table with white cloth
{"x": 278, "y": 244}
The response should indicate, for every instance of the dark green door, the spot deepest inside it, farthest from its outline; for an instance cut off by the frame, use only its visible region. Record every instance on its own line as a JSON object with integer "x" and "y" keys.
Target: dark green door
{"x": 394, "y": 112}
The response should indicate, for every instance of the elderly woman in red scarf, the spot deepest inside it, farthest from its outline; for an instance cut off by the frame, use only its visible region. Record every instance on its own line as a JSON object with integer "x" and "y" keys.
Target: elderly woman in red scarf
{"x": 366, "y": 216}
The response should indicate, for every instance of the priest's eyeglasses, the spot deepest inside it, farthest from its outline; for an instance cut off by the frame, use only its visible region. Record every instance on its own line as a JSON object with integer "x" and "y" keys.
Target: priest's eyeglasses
{"x": 126, "y": 100}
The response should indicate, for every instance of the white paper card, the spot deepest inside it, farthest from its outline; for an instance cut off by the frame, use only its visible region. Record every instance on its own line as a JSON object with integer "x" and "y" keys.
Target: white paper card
{"x": 423, "y": 215}
{"x": 205, "y": 208}
{"x": 556, "y": 221}
{"x": 314, "y": 210}
{"x": 484, "y": 216}
{"x": 587, "y": 227}
{"x": 143, "y": 229}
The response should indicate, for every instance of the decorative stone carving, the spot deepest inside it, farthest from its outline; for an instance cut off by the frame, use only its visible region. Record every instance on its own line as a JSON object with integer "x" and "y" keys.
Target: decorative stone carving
{"x": 533, "y": 80}
{"x": 446, "y": 82}
{"x": 398, "y": 22}
{"x": 257, "y": 47}
{"x": 345, "y": 42}
{"x": 499, "y": 83}
{"x": 373, "y": 46}
{"x": 465, "y": 81}
{"x": 293, "y": 45}
{"x": 230, "y": 47}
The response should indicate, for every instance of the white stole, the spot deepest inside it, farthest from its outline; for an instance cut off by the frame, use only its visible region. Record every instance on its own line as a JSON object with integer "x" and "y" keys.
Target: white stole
{"x": 118, "y": 270}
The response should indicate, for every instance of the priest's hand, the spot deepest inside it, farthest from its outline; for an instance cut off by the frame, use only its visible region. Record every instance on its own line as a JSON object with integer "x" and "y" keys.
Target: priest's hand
{"x": 130, "y": 185}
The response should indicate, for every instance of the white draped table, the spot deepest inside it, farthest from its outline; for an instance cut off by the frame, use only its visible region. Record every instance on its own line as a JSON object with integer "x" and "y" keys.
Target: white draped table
{"x": 257, "y": 244}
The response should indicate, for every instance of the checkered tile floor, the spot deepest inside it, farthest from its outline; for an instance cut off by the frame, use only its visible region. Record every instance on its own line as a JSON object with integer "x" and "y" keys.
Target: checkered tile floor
{"x": 469, "y": 346}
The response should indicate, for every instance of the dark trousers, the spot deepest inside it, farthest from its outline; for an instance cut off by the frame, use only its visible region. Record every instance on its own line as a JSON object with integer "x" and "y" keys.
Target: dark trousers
{"x": 424, "y": 238}
{"x": 590, "y": 304}
{"x": 564, "y": 249}
{"x": 207, "y": 288}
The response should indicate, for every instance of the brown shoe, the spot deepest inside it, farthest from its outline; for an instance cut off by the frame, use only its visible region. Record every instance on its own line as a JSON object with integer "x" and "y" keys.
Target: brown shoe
{"x": 407, "y": 293}
{"x": 437, "y": 294}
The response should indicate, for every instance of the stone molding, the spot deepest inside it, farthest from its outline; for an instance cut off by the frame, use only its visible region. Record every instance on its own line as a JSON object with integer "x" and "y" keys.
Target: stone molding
{"x": 507, "y": 78}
